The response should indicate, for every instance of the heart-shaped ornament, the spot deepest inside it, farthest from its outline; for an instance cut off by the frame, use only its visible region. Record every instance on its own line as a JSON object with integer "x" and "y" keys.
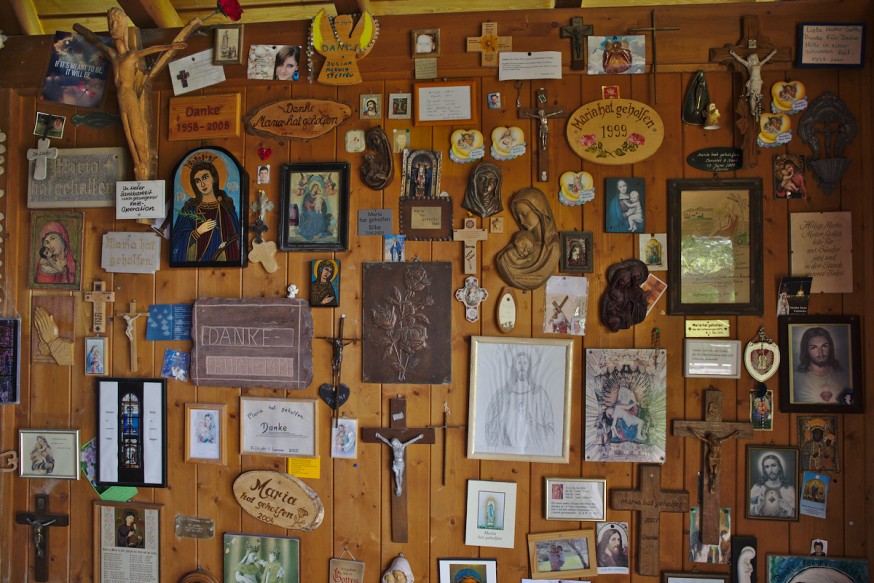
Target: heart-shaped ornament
{"x": 507, "y": 143}
{"x": 788, "y": 97}
{"x": 326, "y": 392}
{"x": 264, "y": 153}
{"x": 467, "y": 146}
{"x": 762, "y": 357}
{"x": 775, "y": 129}
{"x": 576, "y": 188}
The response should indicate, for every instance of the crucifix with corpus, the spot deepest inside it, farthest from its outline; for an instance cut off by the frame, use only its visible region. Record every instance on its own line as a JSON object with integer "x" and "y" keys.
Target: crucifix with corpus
{"x": 39, "y": 523}
{"x": 577, "y": 31}
{"x": 542, "y": 112}
{"x": 713, "y": 432}
{"x": 398, "y": 437}
{"x": 131, "y": 317}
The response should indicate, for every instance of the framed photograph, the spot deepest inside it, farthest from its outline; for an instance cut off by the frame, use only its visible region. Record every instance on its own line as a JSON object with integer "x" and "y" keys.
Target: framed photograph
{"x": 562, "y": 555}
{"x": 493, "y": 100}
{"x": 818, "y": 438}
{"x": 278, "y": 427}
{"x": 95, "y": 355}
{"x": 127, "y": 542}
{"x": 520, "y": 399}
{"x": 344, "y": 439}
{"x": 250, "y": 557}
{"x": 56, "y": 250}
{"x": 576, "y": 252}
{"x": 324, "y": 283}
{"x": 211, "y": 198}
{"x": 228, "y": 49}
{"x": 10, "y": 360}
{"x": 576, "y": 499}
{"x": 314, "y": 208}
{"x": 399, "y": 106}
{"x": 49, "y": 125}
{"x": 206, "y": 429}
{"x": 426, "y": 43}
{"x": 132, "y": 432}
{"x": 830, "y": 45}
{"x": 824, "y": 369}
{"x": 491, "y": 514}
{"x": 420, "y": 173}
{"x": 626, "y": 205}
{"x": 715, "y": 246}
{"x": 445, "y": 103}
{"x": 786, "y": 568}
{"x": 819, "y": 547}
{"x": 772, "y": 486}
{"x": 370, "y": 106}
{"x": 695, "y": 577}
{"x": 613, "y": 548}
{"x": 456, "y": 570}
{"x": 48, "y": 453}
{"x": 712, "y": 358}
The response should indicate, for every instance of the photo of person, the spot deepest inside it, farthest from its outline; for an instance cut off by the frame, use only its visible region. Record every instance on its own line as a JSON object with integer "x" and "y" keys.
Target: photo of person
{"x": 612, "y": 551}
{"x": 494, "y": 101}
{"x": 56, "y": 250}
{"x": 401, "y": 140}
{"x": 562, "y": 555}
{"x": 130, "y": 532}
{"x": 49, "y": 126}
{"x": 821, "y": 364}
{"x": 324, "y": 289}
{"x": 95, "y": 356}
{"x": 771, "y": 474}
{"x": 625, "y": 205}
{"x": 819, "y": 547}
{"x": 287, "y": 64}
{"x": 426, "y": 43}
{"x": 264, "y": 174}
{"x": 371, "y": 106}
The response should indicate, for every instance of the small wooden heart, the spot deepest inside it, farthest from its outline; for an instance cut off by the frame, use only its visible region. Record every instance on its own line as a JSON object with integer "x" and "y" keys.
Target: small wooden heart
{"x": 326, "y": 392}
{"x": 264, "y": 153}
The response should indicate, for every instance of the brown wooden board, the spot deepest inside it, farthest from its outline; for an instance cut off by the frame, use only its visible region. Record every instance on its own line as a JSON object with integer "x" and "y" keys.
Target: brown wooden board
{"x": 204, "y": 118}
{"x": 297, "y": 119}
{"x": 279, "y": 499}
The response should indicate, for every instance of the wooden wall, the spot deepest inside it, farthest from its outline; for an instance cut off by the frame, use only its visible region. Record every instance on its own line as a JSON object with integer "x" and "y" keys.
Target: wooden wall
{"x": 356, "y": 492}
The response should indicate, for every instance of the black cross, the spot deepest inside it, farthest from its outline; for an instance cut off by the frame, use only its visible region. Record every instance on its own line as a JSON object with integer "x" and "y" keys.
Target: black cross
{"x": 183, "y": 76}
{"x": 39, "y": 523}
{"x": 576, "y": 31}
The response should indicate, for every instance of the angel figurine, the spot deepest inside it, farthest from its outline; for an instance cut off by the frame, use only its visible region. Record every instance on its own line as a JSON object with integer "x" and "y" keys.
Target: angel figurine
{"x": 342, "y": 45}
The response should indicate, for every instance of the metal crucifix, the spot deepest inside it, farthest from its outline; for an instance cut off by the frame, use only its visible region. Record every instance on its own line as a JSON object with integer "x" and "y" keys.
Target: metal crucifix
{"x": 39, "y": 523}
{"x": 542, "y": 112}
{"x": 336, "y": 393}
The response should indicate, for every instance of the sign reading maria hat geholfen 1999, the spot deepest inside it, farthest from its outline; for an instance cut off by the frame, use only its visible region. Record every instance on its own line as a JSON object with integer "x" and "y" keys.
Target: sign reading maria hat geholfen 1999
{"x": 615, "y": 131}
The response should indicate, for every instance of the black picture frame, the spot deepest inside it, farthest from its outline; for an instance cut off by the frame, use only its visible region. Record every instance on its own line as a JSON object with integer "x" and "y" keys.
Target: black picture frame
{"x": 570, "y": 239}
{"x": 138, "y": 461}
{"x": 807, "y": 37}
{"x": 796, "y": 393}
{"x": 706, "y": 215}
{"x": 324, "y": 185}
{"x": 762, "y": 500}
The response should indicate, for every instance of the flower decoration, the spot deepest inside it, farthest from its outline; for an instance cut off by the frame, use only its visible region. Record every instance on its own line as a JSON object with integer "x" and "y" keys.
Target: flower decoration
{"x": 588, "y": 140}
{"x": 229, "y": 8}
{"x": 636, "y": 140}
{"x": 631, "y": 143}
{"x": 490, "y": 43}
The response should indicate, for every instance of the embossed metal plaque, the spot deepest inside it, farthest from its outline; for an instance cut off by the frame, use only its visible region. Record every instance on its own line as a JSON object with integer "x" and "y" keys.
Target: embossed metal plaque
{"x": 194, "y": 527}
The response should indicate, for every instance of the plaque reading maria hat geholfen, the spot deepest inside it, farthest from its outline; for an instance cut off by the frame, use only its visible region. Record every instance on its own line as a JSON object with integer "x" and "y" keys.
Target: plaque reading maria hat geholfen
{"x": 615, "y": 131}
{"x": 252, "y": 342}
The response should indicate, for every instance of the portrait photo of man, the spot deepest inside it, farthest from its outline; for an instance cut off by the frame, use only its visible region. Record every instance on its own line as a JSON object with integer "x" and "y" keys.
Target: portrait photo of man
{"x": 771, "y": 481}
{"x": 821, "y": 364}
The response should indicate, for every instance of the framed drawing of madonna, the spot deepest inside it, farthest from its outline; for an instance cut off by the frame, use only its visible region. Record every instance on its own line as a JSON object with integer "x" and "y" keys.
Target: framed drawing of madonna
{"x": 314, "y": 209}
{"x": 210, "y": 207}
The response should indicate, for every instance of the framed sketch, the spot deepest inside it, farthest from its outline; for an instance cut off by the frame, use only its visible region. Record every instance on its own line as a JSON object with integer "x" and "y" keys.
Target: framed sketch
{"x": 491, "y": 514}
{"x": 715, "y": 246}
{"x": 562, "y": 555}
{"x": 370, "y": 106}
{"x": 56, "y": 240}
{"x": 399, "y": 106}
{"x": 228, "y": 49}
{"x": 831, "y": 45}
{"x": 818, "y": 438}
{"x": 48, "y": 453}
{"x": 132, "y": 432}
{"x": 324, "y": 283}
{"x": 445, "y": 103}
{"x": 314, "y": 208}
{"x": 613, "y": 548}
{"x": 425, "y": 43}
{"x": 712, "y": 358}
{"x": 772, "y": 483}
{"x": 10, "y": 360}
{"x": 95, "y": 355}
{"x": 576, "y": 499}
{"x": 127, "y": 539}
{"x": 786, "y": 568}
{"x": 250, "y": 557}
{"x": 344, "y": 439}
{"x": 626, "y": 205}
{"x": 695, "y": 577}
{"x": 210, "y": 208}
{"x": 472, "y": 569}
{"x": 576, "y": 252}
{"x": 206, "y": 430}
{"x": 520, "y": 399}
{"x": 824, "y": 369}
{"x": 278, "y": 427}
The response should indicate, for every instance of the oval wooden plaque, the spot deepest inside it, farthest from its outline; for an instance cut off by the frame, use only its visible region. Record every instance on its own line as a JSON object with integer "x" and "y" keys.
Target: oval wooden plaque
{"x": 615, "y": 131}
{"x": 279, "y": 499}
{"x": 296, "y": 119}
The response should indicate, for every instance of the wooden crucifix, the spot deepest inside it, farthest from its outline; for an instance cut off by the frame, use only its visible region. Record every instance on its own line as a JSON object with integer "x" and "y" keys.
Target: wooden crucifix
{"x": 398, "y": 436}
{"x": 489, "y": 44}
{"x": 542, "y": 113}
{"x": 650, "y": 501}
{"x": 99, "y": 297}
{"x": 713, "y": 431}
{"x": 39, "y": 523}
{"x": 576, "y": 31}
{"x": 131, "y": 317}
{"x": 469, "y": 235}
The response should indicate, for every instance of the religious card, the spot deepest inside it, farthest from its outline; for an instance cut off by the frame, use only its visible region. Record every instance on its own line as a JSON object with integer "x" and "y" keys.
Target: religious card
{"x": 194, "y": 72}
{"x": 718, "y": 553}
{"x": 10, "y": 360}
{"x": 818, "y": 440}
{"x": 814, "y": 494}
{"x": 400, "y": 105}
{"x": 49, "y": 125}
{"x": 789, "y": 176}
{"x": 276, "y": 62}
{"x": 491, "y": 514}
{"x": 371, "y": 106}
{"x": 794, "y": 296}
{"x": 564, "y": 309}
{"x": 128, "y": 541}
{"x": 228, "y": 44}
{"x": 762, "y": 410}
{"x": 653, "y": 250}
{"x": 95, "y": 355}
{"x": 612, "y": 55}
{"x": 252, "y": 557}
{"x": 626, "y": 405}
{"x": 393, "y": 248}
{"x": 52, "y": 330}
{"x": 169, "y": 322}
{"x": 613, "y": 548}
{"x": 175, "y": 365}
{"x": 344, "y": 439}
{"x": 325, "y": 283}
{"x": 654, "y": 288}
{"x": 76, "y": 73}
{"x": 56, "y": 240}
{"x": 625, "y": 205}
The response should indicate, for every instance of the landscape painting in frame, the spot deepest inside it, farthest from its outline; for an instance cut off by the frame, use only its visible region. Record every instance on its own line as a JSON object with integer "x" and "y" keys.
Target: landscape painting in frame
{"x": 626, "y": 405}
{"x": 798, "y": 569}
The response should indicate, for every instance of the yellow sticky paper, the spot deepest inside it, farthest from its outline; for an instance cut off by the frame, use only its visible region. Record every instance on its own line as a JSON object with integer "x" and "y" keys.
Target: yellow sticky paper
{"x": 304, "y": 467}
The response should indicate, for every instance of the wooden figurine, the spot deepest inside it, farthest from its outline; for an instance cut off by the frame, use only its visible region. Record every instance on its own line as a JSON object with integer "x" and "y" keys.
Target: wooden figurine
{"x": 624, "y": 303}
{"x": 52, "y": 334}
{"x": 533, "y": 254}
{"x": 263, "y": 252}
{"x": 8, "y": 461}
{"x": 378, "y": 168}
{"x": 483, "y": 194}
{"x": 342, "y": 45}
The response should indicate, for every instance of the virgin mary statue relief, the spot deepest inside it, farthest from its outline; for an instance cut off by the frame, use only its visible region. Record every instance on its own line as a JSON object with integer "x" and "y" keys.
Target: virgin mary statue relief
{"x": 533, "y": 254}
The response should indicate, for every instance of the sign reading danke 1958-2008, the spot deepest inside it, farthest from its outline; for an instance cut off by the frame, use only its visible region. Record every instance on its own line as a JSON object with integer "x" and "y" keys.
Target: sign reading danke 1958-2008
{"x": 615, "y": 131}
{"x": 252, "y": 342}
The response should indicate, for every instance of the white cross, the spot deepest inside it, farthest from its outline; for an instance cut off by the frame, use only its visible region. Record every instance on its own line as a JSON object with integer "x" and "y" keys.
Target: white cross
{"x": 41, "y": 154}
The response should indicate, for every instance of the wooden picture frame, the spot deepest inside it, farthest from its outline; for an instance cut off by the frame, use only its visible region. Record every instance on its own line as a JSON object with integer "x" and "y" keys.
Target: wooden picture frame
{"x": 814, "y": 50}
{"x": 260, "y": 550}
{"x": 425, "y": 47}
{"x": 818, "y": 438}
{"x": 426, "y": 219}
{"x": 579, "y": 242}
{"x": 279, "y": 427}
{"x": 693, "y": 577}
{"x": 56, "y": 242}
{"x": 314, "y": 208}
{"x": 132, "y": 432}
{"x": 445, "y": 103}
{"x": 10, "y": 361}
{"x": 785, "y": 568}
{"x": 772, "y": 483}
{"x": 836, "y": 340}
{"x": 124, "y": 531}
{"x": 575, "y": 499}
{"x": 562, "y": 555}
{"x": 206, "y": 432}
{"x": 497, "y": 363}
{"x": 48, "y": 453}
{"x": 228, "y": 48}
{"x": 705, "y": 215}
{"x": 95, "y": 356}
{"x": 485, "y": 569}
{"x": 711, "y": 358}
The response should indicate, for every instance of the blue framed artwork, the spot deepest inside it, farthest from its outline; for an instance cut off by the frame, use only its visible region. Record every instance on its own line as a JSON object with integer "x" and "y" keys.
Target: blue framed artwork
{"x": 626, "y": 205}
{"x": 325, "y": 283}
{"x": 314, "y": 207}
{"x": 788, "y": 568}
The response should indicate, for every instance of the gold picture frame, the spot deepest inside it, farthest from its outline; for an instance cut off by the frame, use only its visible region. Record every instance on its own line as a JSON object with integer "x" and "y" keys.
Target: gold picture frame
{"x": 549, "y": 557}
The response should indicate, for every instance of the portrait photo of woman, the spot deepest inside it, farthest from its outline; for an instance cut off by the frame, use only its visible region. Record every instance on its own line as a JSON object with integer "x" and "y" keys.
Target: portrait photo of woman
{"x": 56, "y": 250}
{"x": 287, "y": 65}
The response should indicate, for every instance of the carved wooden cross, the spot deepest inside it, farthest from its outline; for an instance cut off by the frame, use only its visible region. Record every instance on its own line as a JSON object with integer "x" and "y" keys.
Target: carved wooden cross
{"x": 469, "y": 235}
{"x": 542, "y": 113}
{"x": 99, "y": 297}
{"x": 131, "y": 317}
{"x": 39, "y": 523}
{"x": 713, "y": 431}
{"x": 576, "y": 31}
{"x": 650, "y": 501}
{"x": 41, "y": 155}
{"x": 489, "y": 44}
{"x": 399, "y": 431}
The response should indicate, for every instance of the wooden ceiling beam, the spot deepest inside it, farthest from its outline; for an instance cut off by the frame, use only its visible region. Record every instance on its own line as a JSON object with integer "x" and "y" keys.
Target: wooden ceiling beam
{"x": 28, "y": 19}
{"x": 151, "y": 13}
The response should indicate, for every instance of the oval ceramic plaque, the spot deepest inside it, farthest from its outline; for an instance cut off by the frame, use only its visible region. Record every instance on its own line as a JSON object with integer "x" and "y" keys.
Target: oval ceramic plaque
{"x": 279, "y": 499}
{"x": 297, "y": 119}
{"x": 615, "y": 131}
{"x": 716, "y": 159}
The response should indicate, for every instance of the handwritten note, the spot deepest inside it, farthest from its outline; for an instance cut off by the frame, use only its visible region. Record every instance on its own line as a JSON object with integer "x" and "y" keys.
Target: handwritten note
{"x": 831, "y": 45}
{"x": 445, "y": 103}
{"x": 140, "y": 199}
{"x": 822, "y": 247}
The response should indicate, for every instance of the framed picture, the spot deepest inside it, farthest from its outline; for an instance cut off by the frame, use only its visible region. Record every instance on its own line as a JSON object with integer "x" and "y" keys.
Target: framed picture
{"x": 399, "y": 106}
{"x": 613, "y": 548}
{"x": 10, "y": 360}
{"x": 520, "y": 399}
{"x": 445, "y": 103}
{"x": 561, "y": 555}
{"x": 491, "y": 514}
{"x": 426, "y": 43}
{"x": 344, "y": 439}
{"x": 228, "y": 49}
{"x": 576, "y": 499}
{"x": 211, "y": 198}
{"x": 772, "y": 487}
{"x": 95, "y": 355}
{"x": 744, "y": 566}
{"x": 696, "y": 577}
{"x": 789, "y": 176}
{"x": 426, "y": 219}
{"x": 455, "y": 570}
{"x": 712, "y": 358}
{"x": 576, "y": 252}
{"x": 715, "y": 226}
{"x": 56, "y": 250}
{"x": 370, "y": 106}
{"x": 616, "y": 54}
{"x": 325, "y": 283}
{"x": 132, "y": 432}
{"x": 824, "y": 369}
{"x": 786, "y": 568}
{"x": 420, "y": 174}
{"x": 48, "y": 453}
{"x": 830, "y": 45}
{"x": 261, "y": 558}
{"x": 278, "y": 427}
{"x": 818, "y": 438}
{"x": 314, "y": 209}
{"x": 206, "y": 430}
{"x": 652, "y": 250}
{"x": 127, "y": 534}
{"x": 626, "y": 205}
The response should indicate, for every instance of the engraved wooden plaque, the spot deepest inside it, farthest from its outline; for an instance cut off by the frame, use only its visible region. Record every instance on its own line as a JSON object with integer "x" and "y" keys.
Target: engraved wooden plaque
{"x": 615, "y": 131}
{"x": 204, "y": 117}
{"x": 78, "y": 177}
{"x": 279, "y": 499}
{"x": 296, "y": 119}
